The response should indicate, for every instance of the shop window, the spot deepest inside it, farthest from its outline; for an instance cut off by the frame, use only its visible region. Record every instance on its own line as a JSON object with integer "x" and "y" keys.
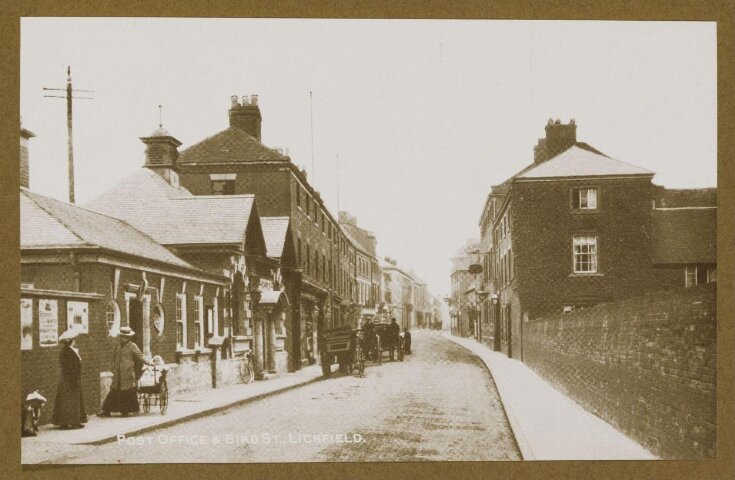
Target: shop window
{"x": 112, "y": 318}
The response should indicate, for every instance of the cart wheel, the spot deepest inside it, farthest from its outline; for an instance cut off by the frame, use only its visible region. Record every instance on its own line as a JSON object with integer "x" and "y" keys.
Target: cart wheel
{"x": 146, "y": 403}
{"x": 163, "y": 397}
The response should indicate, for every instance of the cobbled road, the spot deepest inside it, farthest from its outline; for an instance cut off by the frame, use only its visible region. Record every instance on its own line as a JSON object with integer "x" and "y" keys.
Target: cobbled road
{"x": 438, "y": 404}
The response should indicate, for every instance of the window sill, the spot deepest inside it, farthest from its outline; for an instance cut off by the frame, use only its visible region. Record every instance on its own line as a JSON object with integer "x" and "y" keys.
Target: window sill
{"x": 572, "y": 275}
{"x": 579, "y": 211}
{"x": 185, "y": 351}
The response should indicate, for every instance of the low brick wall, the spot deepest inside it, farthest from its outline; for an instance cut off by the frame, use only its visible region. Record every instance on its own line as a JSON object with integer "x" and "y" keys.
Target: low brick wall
{"x": 646, "y": 365}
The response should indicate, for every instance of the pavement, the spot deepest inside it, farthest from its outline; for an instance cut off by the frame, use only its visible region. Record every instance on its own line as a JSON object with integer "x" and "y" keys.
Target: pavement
{"x": 182, "y": 408}
{"x": 547, "y": 424}
{"x": 439, "y": 403}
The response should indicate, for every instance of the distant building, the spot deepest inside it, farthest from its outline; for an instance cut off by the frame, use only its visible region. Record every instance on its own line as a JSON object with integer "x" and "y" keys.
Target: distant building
{"x": 367, "y": 270}
{"x": 461, "y": 279}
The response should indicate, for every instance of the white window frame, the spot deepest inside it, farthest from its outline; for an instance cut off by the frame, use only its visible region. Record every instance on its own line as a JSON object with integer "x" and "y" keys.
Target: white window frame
{"x": 113, "y": 330}
{"x": 582, "y": 241}
{"x": 215, "y": 317}
{"x": 128, "y": 296}
{"x": 690, "y": 276}
{"x": 199, "y": 321}
{"x": 585, "y": 201}
{"x": 711, "y": 275}
{"x": 181, "y": 320}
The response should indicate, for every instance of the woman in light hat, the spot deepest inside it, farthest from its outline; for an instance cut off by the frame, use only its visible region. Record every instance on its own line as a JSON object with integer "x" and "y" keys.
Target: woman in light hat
{"x": 69, "y": 409}
{"x": 126, "y": 362}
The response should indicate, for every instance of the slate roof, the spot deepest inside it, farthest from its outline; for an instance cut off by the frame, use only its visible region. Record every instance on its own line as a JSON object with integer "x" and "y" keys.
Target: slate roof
{"x": 685, "y": 235}
{"x": 173, "y": 216}
{"x": 581, "y": 162}
{"x": 49, "y": 223}
{"x": 274, "y": 231}
{"x": 232, "y": 145}
{"x": 358, "y": 246}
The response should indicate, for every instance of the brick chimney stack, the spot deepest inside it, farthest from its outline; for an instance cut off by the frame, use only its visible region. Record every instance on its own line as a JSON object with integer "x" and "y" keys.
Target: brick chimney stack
{"x": 559, "y": 137}
{"x": 25, "y": 135}
{"x": 345, "y": 217}
{"x": 161, "y": 154}
{"x": 246, "y": 114}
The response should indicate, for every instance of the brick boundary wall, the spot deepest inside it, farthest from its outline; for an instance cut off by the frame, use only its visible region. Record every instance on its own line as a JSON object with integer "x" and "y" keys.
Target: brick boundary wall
{"x": 646, "y": 365}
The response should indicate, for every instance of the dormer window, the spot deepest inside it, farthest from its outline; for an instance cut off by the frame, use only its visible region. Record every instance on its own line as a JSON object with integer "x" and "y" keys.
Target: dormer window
{"x": 584, "y": 199}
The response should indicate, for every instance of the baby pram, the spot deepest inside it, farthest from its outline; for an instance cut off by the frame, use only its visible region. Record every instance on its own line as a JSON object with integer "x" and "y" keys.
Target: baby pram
{"x": 152, "y": 387}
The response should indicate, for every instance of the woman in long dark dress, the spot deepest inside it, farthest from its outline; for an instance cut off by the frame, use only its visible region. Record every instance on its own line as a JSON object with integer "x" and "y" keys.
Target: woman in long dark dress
{"x": 126, "y": 362}
{"x": 69, "y": 409}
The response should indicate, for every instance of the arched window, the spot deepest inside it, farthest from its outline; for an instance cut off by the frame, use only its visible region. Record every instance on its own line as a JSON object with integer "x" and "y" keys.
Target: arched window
{"x": 112, "y": 318}
{"x": 158, "y": 318}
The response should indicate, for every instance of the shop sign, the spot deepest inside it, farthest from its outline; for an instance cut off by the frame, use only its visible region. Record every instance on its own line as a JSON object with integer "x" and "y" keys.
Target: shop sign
{"x": 48, "y": 323}
{"x": 26, "y": 324}
{"x": 77, "y": 316}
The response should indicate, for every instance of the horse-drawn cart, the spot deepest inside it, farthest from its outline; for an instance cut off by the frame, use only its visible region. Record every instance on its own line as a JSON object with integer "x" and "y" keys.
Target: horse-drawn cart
{"x": 338, "y": 345}
{"x": 388, "y": 342}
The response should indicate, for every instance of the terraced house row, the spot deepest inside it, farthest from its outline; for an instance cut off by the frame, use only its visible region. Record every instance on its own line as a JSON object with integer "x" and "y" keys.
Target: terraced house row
{"x": 211, "y": 254}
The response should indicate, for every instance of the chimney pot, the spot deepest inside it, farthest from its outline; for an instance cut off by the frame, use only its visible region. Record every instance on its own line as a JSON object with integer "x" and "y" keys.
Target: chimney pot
{"x": 246, "y": 116}
{"x": 233, "y": 101}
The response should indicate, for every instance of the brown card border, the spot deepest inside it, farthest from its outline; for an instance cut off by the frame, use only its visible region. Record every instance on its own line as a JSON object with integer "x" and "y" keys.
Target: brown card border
{"x": 703, "y": 10}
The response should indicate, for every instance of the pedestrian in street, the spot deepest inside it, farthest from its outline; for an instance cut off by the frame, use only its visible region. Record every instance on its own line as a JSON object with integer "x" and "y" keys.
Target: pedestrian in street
{"x": 69, "y": 409}
{"x": 394, "y": 334}
{"x": 127, "y": 361}
{"x": 406, "y": 341}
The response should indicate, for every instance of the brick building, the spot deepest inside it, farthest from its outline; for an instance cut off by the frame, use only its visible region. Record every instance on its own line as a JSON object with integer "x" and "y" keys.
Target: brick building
{"x": 576, "y": 228}
{"x": 367, "y": 268}
{"x": 220, "y": 234}
{"x": 461, "y": 279}
{"x": 234, "y": 161}
{"x": 83, "y": 268}
{"x": 398, "y": 293}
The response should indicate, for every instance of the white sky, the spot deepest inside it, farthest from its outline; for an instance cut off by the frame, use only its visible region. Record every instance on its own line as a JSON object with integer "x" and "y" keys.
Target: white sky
{"x": 425, "y": 115}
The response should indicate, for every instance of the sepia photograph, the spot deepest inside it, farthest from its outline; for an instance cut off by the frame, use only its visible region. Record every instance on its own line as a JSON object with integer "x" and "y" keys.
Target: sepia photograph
{"x": 287, "y": 240}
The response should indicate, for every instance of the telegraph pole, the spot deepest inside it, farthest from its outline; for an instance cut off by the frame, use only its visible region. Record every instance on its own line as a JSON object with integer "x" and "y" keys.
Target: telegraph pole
{"x": 311, "y": 122}
{"x": 70, "y": 144}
